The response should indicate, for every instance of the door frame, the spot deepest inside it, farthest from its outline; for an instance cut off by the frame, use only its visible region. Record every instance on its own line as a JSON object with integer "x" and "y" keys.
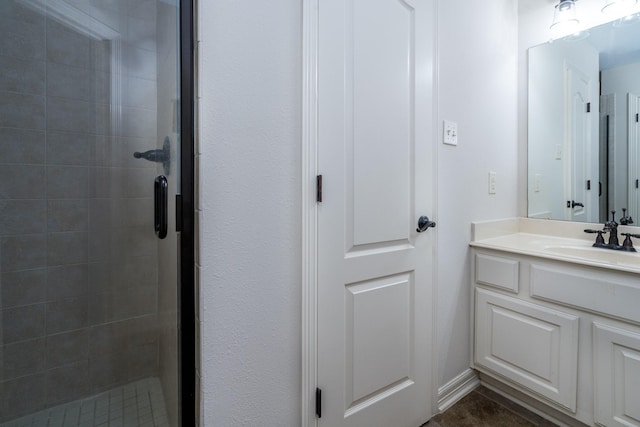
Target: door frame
{"x": 310, "y": 170}
{"x": 633, "y": 140}
{"x": 187, "y": 352}
{"x": 309, "y": 209}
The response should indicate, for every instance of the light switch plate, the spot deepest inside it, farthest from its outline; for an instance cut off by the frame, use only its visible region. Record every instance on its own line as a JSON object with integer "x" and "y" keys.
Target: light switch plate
{"x": 450, "y": 133}
{"x": 558, "y": 152}
{"x": 492, "y": 183}
{"x": 537, "y": 179}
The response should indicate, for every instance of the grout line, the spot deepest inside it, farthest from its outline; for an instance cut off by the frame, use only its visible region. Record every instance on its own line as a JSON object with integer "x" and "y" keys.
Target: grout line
{"x": 146, "y": 408}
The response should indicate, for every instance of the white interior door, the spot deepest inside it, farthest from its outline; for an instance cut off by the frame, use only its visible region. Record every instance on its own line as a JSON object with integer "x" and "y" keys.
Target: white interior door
{"x": 579, "y": 170}
{"x": 634, "y": 156}
{"x": 374, "y": 289}
{"x": 607, "y": 133}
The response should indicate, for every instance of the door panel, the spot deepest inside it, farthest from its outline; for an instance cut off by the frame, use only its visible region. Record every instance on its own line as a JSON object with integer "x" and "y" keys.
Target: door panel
{"x": 374, "y": 268}
{"x": 381, "y": 131}
{"x": 378, "y": 316}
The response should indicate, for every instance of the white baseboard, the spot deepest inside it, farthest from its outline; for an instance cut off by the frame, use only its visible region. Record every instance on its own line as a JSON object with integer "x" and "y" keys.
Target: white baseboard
{"x": 541, "y": 215}
{"x": 456, "y": 389}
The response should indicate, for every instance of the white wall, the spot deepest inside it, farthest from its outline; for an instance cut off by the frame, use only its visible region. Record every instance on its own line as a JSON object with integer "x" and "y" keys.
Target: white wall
{"x": 249, "y": 262}
{"x": 250, "y": 218}
{"x": 477, "y": 44}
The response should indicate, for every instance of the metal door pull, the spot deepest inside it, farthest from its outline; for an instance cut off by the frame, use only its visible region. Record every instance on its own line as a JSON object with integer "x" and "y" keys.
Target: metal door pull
{"x": 160, "y": 209}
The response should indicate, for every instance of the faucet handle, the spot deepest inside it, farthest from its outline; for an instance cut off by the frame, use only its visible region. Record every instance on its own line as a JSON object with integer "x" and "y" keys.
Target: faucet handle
{"x": 599, "y": 239}
{"x": 627, "y": 245}
{"x": 626, "y": 219}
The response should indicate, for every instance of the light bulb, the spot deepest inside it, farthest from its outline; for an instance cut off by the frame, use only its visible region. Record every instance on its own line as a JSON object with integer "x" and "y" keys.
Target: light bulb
{"x": 615, "y": 7}
{"x": 565, "y": 18}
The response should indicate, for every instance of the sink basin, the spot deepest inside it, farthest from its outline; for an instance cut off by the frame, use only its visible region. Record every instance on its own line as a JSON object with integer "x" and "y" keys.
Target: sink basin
{"x": 597, "y": 255}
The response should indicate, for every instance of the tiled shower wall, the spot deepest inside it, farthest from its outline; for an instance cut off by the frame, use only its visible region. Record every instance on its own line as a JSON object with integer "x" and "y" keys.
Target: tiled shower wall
{"x": 78, "y": 256}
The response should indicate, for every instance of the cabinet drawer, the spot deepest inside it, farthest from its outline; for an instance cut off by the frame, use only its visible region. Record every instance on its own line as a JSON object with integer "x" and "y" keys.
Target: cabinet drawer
{"x": 498, "y": 272}
{"x": 617, "y": 375}
{"x": 601, "y": 292}
{"x": 533, "y": 346}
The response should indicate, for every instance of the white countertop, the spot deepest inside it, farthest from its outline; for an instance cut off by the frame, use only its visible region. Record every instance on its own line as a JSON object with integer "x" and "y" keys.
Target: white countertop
{"x": 556, "y": 240}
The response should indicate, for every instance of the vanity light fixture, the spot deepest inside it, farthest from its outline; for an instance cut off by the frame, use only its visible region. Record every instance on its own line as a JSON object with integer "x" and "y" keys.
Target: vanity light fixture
{"x": 627, "y": 20}
{"x": 615, "y": 7}
{"x": 564, "y": 17}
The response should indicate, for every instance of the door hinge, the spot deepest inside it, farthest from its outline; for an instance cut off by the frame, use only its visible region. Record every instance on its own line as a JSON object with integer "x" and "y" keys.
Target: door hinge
{"x": 319, "y": 188}
{"x": 588, "y": 107}
{"x": 588, "y": 184}
{"x": 637, "y": 117}
{"x": 178, "y": 212}
{"x": 318, "y": 403}
{"x": 636, "y": 183}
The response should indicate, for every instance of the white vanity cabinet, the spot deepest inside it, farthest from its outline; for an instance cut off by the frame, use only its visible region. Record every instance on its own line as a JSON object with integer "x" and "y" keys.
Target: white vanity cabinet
{"x": 617, "y": 374}
{"x": 531, "y": 345}
{"x": 565, "y": 334}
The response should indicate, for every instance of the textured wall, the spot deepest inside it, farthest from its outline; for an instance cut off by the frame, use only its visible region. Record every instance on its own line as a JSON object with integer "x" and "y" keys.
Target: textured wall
{"x": 250, "y": 184}
{"x": 477, "y": 59}
{"x": 250, "y": 230}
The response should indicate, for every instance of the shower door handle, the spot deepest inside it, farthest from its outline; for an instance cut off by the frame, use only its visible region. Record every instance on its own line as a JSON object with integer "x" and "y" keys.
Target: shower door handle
{"x": 160, "y": 209}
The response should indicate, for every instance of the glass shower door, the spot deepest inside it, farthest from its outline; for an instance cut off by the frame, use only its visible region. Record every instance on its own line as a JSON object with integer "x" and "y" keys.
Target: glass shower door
{"x": 89, "y": 99}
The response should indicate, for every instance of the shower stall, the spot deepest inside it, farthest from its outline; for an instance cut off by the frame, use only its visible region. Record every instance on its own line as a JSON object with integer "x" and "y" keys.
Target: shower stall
{"x": 89, "y": 309}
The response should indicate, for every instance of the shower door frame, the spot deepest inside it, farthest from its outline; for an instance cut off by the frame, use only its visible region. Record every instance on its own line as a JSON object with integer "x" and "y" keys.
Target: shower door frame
{"x": 186, "y": 206}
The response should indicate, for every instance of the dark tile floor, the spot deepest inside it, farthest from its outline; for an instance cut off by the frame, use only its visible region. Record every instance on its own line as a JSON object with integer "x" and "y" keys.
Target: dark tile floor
{"x": 485, "y": 408}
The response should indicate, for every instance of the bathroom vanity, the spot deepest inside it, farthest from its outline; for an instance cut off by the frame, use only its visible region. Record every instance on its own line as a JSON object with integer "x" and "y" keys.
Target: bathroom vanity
{"x": 558, "y": 320}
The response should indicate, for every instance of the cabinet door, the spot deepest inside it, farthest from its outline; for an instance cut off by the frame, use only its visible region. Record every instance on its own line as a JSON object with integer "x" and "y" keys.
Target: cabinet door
{"x": 533, "y": 346}
{"x": 617, "y": 375}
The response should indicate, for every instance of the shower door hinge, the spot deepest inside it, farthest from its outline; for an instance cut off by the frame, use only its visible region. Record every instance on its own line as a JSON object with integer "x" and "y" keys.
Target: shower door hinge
{"x": 588, "y": 107}
{"x": 178, "y": 212}
{"x": 319, "y": 188}
{"x": 588, "y": 184}
{"x": 637, "y": 117}
{"x": 318, "y": 403}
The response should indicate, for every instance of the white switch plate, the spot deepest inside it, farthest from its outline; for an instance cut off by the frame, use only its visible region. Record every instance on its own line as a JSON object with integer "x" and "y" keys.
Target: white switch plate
{"x": 492, "y": 183}
{"x": 450, "y": 133}
{"x": 558, "y": 152}
{"x": 537, "y": 180}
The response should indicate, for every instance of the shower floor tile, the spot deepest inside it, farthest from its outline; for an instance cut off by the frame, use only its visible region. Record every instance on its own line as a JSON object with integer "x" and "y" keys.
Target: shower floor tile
{"x": 137, "y": 404}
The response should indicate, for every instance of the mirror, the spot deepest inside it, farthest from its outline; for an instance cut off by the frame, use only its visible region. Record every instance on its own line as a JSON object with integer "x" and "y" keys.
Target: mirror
{"x": 583, "y": 129}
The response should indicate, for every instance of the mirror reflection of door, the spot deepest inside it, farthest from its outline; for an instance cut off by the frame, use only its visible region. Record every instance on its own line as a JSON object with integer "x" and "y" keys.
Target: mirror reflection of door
{"x": 634, "y": 152}
{"x": 607, "y": 132}
{"x": 610, "y": 50}
{"x": 578, "y": 141}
